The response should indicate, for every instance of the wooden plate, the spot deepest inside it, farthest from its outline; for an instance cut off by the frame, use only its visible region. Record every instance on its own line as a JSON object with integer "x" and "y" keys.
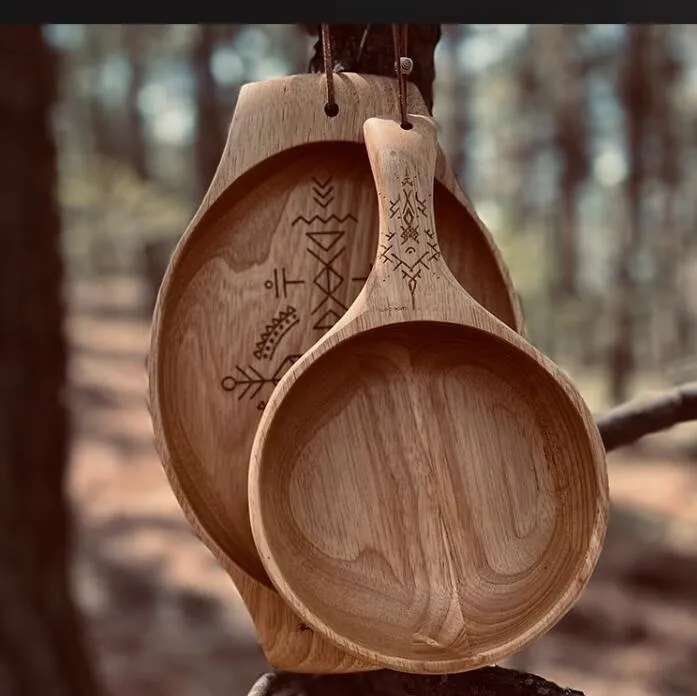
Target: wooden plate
{"x": 277, "y": 251}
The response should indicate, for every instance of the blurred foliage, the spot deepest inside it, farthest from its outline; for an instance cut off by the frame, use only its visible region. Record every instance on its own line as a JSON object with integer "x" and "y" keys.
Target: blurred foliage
{"x": 109, "y": 214}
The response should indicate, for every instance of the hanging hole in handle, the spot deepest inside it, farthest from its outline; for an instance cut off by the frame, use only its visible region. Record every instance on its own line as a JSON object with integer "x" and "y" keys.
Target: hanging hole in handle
{"x": 331, "y": 109}
{"x": 407, "y": 126}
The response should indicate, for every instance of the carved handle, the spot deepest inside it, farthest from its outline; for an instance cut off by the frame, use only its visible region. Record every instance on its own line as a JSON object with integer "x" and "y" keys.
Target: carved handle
{"x": 404, "y": 164}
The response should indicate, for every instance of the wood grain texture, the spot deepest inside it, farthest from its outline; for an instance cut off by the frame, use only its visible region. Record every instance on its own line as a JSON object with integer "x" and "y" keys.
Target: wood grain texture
{"x": 426, "y": 489}
{"x": 281, "y": 245}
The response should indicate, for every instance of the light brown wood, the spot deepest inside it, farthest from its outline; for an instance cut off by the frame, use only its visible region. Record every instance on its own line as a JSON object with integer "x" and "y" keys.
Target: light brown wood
{"x": 426, "y": 490}
{"x": 280, "y": 246}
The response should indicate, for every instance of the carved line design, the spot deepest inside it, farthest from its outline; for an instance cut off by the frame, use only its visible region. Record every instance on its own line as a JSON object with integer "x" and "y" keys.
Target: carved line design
{"x": 408, "y": 212}
{"x": 282, "y": 287}
{"x": 328, "y": 280}
{"x": 323, "y": 192}
{"x": 273, "y": 333}
{"x": 319, "y": 218}
{"x": 249, "y": 381}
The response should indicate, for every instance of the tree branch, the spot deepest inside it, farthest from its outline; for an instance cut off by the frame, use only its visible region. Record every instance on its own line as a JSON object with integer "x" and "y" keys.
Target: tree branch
{"x": 489, "y": 681}
{"x": 629, "y": 422}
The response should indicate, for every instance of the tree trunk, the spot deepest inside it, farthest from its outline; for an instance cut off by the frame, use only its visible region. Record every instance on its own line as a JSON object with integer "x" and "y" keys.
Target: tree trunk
{"x": 41, "y": 646}
{"x": 635, "y": 92}
{"x": 490, "y": 681}
{"x": 525, "y": 150}
{"x": 137, "y": 143}
{"x": 105, "y": 140}
{"x": 671, "y": 290}
{"x": 571, "y": 142}
{"x": 460, "y": 100}
{"x": 210, "y": 137}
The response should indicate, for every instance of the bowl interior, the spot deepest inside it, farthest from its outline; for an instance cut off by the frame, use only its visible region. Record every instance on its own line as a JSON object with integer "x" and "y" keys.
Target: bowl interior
{"x": 427, "y": 492}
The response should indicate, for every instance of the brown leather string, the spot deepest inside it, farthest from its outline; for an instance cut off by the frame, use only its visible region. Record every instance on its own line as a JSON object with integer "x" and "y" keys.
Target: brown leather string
{"x": 331, "y": 108}
{"x": 400, "y": 40}
{"x": 361, "y": 46}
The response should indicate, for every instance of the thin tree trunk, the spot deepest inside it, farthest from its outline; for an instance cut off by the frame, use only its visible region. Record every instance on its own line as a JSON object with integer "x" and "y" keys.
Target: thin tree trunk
{"x": 571, "y": 141}
{"x": 636, "y": 97}
{"x": 41, "y": 646}
{"x": 137, "y": 143}
{"x": 671, "y": 290}
{"x": 105, "y": 141}
{"x": 526, "y": 148}
{"x": 461, "y": 121}
{"x": 210, "y": 137}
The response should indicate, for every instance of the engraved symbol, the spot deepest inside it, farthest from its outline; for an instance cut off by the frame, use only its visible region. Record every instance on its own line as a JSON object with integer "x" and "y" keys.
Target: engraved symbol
{"x": 386, "y": 253}
{"x": 322, "y": 192}
{"x": 250, "y": 381}
{"x": 328, "y": 280}
{"x": 274, "y": 332}
{"x": 319, "y": 218}
{"x": 282, "y": 287}
{"x": 323, "y": 242}
{"x": 406, "y": 211}
{"x": 412, "y": 272}
{"x": 435, "y": 252}
{"x": 325, "y": 239}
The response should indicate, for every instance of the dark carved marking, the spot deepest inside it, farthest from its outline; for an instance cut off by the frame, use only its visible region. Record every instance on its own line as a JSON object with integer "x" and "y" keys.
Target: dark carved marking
{"x": 325, "y": 239}
{"x": 421, "y": 204}
{"x": 250, "y": 381}
{"x": 328, "y": 280}
{"x": 281, "y": 289}
{"x": 407, "y": 210}
{"x": 274, "y": 332}
{"x": 394, "y": 208}
{"x": 319, "y": 218}
{"x": 410, "y": 225}
{"x": 386, "y": 253}
{"x": 322, "y": 184}
{"x": 323, "y": 192}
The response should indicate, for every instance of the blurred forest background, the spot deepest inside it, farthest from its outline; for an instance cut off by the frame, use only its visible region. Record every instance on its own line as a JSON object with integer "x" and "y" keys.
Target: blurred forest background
{"x": 577, "y": 145}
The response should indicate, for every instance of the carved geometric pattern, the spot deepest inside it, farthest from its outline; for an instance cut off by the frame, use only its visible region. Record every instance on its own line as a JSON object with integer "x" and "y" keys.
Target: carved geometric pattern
{"x": 249, "y": 381}
{"x": 274, "y": 332}
{"x": 409, "y": 213}
{"x": 324, "y": 220}
{"x": 328, "y": 280}
{"x": 322, "y": 192}
{"x": 326, "y": 244}
{"x": 281, "y": 288}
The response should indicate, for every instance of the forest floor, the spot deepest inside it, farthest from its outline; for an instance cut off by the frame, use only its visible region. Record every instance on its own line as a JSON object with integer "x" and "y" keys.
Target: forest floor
{"x": 164, "y": 620}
